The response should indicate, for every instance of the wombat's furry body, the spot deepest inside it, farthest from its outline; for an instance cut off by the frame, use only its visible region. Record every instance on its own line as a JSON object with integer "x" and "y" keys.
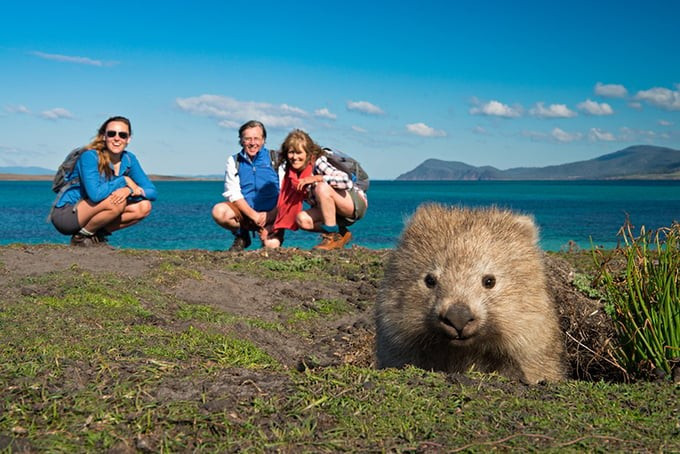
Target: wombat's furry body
{"x": 466, "y": 288}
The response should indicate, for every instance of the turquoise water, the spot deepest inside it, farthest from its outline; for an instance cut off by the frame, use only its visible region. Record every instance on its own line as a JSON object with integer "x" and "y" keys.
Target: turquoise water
{"x": 565, "y": 211}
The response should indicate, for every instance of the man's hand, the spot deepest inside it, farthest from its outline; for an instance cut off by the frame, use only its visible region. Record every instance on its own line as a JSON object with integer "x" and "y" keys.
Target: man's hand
{"x": 260, "y": 218}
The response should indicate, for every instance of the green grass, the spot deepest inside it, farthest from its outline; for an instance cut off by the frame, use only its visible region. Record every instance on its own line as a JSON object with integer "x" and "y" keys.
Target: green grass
{"x": 411, "y": 408}
{"x": 584, "y": 284}
{"x": 643, "y": 298}
{"x": 168, "y": 273}
{"x": 318, "y": 308}
{"x": 334, "y": 266}
{"x": 296, "y": 267}
{"x": 92, "y": 362}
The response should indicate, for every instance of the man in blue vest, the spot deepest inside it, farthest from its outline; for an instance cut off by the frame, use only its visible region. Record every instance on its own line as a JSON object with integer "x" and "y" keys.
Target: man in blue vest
{"x": 251, "y": 189}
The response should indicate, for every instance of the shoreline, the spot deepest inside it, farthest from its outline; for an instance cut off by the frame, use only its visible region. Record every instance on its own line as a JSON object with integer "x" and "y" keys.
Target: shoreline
{"x": 24, "y": 177}
{"x": 152, "y": 177}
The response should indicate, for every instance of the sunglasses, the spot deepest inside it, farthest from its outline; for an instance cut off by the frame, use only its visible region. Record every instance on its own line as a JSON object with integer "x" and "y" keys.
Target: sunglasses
{"x": 121, "y": 134}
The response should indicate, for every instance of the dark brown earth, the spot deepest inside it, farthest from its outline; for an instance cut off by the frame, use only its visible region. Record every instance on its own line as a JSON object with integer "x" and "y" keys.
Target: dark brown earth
{"x": 348, "y": 339}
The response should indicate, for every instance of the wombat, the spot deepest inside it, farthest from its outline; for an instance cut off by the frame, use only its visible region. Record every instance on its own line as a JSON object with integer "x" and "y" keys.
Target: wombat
{"x": 466, "y": 288}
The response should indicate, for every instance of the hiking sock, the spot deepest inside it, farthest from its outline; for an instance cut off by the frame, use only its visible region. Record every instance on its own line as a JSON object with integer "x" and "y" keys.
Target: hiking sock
{"x": 83, "y": 231}
{"x": 330, "y": 228}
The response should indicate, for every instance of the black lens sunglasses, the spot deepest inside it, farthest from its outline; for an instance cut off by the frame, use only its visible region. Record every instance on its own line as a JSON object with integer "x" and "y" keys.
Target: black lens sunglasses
{"x": 123, "y": 135}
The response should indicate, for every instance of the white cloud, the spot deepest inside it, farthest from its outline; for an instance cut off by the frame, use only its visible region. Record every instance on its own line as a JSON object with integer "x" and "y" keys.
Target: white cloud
{"x": 359, "y": 129}
{"x": 364, "y": 107}
{"x": 535, "y": 135}
{"x": 56, "y": 114}
{"x": 496, "y": 109}
{"x": 665, "y": 123}
{"x": 293, "y": 110}
{"x": 627, "y": 134}
{"x": 480, "y": 130}
{"x": 596, "y": 134}
{"x": 6, "y": 149}
{"x": 635, "y": 135}
{"x": 232, "y": 124}
{"x": 421, "y": 129}
{"x": 21, "y": 109}
{"x": 610, "y": 90}
{"x": 9, "y": 156}
{"x": 661, "y": 97}
{"x": 595, "y": 108}
{"x": 552, "y": 111}
{"x": 325, "y": 113}
{"x": 232, "y": 112}
{"x": 564, "y": 137}
{"x": 72, "y": 59}
{"x": 556, "y": 134}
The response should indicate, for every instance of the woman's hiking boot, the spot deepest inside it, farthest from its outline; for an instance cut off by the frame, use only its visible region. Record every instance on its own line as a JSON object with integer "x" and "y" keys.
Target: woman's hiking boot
{"x": 81, "y": 240}
{"x": 102, "y": 236}
{"x": 241, "y": 242}
{"x": 331, "y": 241}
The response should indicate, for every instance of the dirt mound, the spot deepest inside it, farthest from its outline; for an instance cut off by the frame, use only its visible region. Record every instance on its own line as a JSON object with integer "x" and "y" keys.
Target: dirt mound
{"x": 588, "y": 330}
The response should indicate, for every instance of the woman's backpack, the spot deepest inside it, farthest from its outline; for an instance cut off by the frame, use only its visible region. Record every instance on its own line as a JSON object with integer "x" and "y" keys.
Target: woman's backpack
{"x": 350, "y": 166}
{"x": 60, "y": 183}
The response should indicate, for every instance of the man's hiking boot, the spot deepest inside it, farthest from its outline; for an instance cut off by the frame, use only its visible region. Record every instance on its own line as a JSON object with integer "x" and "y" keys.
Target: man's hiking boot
{"x": 241, "y": 242}
{"x": 81, "y": 240}
{"x": 331, "y": 241}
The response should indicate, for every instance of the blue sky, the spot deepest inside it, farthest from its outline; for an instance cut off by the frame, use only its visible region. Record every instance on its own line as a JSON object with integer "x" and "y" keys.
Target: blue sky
{"x": 507, "y": 84}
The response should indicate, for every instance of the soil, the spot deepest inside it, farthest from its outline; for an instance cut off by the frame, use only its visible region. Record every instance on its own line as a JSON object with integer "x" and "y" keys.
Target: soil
{"x": 347, "y": 339}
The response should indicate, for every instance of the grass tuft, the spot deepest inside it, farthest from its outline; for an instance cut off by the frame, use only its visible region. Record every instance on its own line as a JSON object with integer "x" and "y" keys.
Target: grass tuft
{"x": 641, "y": 281}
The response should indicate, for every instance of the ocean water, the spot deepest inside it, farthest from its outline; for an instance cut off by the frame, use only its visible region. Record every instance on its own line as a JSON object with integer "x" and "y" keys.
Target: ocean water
{"x": 576, "y": 211}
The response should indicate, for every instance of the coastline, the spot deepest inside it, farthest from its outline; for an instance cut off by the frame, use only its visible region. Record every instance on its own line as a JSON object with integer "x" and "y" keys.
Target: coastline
{"x": 153, "y": 177}
{"x": 24, "y": 177}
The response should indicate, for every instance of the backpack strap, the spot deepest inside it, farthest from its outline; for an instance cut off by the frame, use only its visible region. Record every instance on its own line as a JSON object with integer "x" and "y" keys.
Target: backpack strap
{"x": 237, "y": 162}
{"x": 272, "y": 159}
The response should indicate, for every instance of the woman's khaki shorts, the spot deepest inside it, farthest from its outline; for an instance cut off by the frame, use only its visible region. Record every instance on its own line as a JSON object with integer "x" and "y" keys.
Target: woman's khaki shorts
{"x": 359, "y": 209}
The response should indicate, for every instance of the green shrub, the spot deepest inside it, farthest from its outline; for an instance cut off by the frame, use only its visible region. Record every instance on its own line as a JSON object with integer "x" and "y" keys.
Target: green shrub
{"x": 641, "y": 282}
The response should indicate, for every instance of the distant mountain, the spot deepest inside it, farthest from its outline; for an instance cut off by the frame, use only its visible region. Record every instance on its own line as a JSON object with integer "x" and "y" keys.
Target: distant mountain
{"x": 27, "y": 170}
{"x": 640, "y": 161}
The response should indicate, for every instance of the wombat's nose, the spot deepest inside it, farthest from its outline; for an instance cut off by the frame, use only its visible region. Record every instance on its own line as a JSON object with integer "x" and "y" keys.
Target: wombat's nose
{"x": 458, "y": 316}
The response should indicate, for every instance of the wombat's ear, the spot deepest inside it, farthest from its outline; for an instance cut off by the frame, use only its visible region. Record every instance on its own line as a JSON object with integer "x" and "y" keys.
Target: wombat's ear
{"x": 527, "y": 227}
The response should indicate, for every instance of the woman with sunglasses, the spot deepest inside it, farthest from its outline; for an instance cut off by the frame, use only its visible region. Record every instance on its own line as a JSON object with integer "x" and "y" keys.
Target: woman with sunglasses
{"x": 108, "y": 190}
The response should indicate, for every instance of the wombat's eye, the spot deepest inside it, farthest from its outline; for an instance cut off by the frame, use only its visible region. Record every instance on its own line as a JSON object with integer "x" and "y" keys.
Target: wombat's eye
{"x": 488, "y": 281}
{"x": 430, "y": 281}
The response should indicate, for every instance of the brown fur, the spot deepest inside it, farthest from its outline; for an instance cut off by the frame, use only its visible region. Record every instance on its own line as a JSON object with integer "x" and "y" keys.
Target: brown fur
{"x": 466, "y": 289}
